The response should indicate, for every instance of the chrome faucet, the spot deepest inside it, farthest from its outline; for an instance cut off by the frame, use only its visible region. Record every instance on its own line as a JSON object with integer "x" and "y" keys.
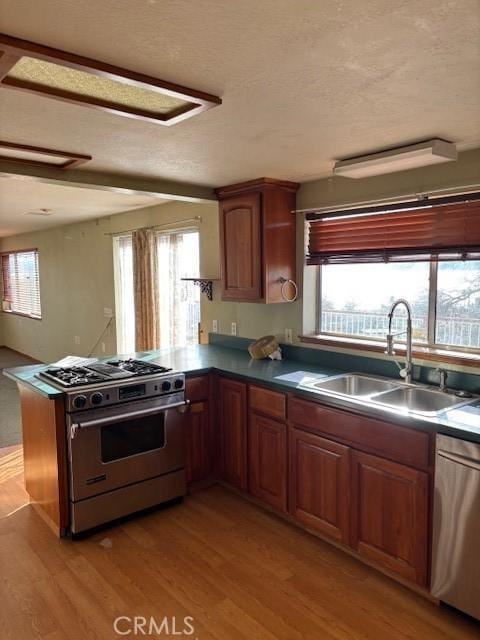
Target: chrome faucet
{"x": 443, "y": 375}
{"x": 407, "y": 371}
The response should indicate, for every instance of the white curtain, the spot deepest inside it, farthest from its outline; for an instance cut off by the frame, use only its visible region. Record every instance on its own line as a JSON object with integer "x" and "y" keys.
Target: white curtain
{"x": 179, "y": 301}
{"x": 124, "y": 303}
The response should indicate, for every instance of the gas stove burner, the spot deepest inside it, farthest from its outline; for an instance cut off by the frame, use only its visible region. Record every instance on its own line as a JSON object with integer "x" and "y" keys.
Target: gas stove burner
{"x": 138, "y": 367}
{"x": 72, "y": 376}
{"x": 101, "y": 372}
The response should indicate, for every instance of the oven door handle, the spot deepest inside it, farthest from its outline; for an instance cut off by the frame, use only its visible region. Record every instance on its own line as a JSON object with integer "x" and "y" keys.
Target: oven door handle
{"x": 182, "y": 407}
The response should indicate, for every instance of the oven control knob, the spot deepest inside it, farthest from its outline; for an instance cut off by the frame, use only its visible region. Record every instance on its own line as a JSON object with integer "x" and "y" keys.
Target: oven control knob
{"x": 178, "y": 384}
{"x": 166, "y": 386}
{"x": 79, "y": 402}
{"x": 96, "y": 398}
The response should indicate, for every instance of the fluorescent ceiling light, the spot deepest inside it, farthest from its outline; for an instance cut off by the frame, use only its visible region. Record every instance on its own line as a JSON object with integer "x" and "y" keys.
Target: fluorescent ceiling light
{"x": 81, "y": 84}
{"x": 60, "y": 75}
{"x": 13, "y": 152}
{"x": 400, "y": 159}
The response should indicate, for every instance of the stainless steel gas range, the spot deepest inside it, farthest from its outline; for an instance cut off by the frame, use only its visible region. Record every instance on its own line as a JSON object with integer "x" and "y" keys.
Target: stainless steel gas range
{"x": 125, "y": 438}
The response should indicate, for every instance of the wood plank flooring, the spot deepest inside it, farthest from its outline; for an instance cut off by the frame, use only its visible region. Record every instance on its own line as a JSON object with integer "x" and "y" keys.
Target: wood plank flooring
{"x": 240, "y": 572}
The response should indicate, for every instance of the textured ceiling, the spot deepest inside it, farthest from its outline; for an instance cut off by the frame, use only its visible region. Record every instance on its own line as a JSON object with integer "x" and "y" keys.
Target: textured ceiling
{"x": 303, "y": 83}
{"x": 67, "y": 204}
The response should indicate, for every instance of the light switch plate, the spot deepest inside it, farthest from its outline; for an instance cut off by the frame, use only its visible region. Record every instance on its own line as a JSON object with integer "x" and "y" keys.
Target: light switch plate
{"x": 289, "y": 336}
{"x": 234, "y": 329}
{"x": 215, "y": 326}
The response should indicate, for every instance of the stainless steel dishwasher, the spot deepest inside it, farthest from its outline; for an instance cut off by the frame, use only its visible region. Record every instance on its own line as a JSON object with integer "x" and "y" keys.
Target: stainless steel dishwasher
{"x": 456, "y": 525}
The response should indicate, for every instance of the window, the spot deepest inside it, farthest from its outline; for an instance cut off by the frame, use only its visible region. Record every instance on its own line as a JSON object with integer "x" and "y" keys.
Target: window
{"x": 458, "y": 304}
{"x": 124, "y": 303}
{"x": 427, "y": 253}
{"x": 179, "y": 302}
{"x": 356, "y": 298}
{"x": 20, "y": 283}
{"x": 444, "y": 296}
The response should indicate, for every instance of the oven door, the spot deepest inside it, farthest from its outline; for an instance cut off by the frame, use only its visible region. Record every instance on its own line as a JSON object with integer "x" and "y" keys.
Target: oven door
{"x": 119, "y": 446}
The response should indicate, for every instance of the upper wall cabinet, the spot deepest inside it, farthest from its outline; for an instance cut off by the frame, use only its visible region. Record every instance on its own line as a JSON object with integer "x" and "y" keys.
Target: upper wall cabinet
{"x": 257, "y": 240}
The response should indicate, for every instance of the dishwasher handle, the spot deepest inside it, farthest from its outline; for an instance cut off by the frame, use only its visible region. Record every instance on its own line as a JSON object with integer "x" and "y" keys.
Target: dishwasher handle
{"x": 460, "y": 459}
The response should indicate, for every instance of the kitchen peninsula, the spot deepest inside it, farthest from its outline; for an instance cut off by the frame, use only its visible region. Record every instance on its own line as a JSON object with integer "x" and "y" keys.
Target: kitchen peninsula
{"x": 260, "y": 428}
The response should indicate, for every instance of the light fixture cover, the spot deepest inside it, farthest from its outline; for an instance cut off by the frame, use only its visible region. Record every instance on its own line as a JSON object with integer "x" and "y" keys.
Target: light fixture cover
{"x": 71, "y": 78}
{"x": 399, "y": 159}
{"x": 14, "y": 152}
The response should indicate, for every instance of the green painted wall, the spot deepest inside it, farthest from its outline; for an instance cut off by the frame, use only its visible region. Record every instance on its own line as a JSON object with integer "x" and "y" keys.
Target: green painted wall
{"x": 77, "y": 268}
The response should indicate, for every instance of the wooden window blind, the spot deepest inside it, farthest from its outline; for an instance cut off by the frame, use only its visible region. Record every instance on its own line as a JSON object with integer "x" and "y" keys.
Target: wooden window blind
{"x": 450, "y": 232}
{"x": 21, "y": 283}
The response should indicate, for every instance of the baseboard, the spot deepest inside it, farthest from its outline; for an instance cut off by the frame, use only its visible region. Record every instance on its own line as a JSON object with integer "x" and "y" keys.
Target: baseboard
{"x": 46, "y": 518}
{"x": 24, "y": 355}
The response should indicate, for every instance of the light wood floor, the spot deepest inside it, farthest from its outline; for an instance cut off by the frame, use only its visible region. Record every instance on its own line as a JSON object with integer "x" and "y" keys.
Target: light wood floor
{"x": 239, "y": 572}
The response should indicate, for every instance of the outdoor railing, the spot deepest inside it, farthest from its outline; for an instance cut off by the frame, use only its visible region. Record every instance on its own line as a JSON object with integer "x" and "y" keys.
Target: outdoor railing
{"x": 463, "y": 332}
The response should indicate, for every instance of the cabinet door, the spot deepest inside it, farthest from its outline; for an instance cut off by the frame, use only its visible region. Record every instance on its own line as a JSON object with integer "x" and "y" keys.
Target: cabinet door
{"x": 319, "y": 484}
{"x": 240, "y": 230}
{"x": 267, "y": 460}
{"x": 199, "y": 445}
{"x": 233, "y": 432}
{"x": 389, "y": 515}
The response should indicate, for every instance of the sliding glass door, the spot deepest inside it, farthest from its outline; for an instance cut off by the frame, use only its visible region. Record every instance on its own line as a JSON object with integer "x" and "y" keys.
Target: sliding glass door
{"x": 178, "y": 301}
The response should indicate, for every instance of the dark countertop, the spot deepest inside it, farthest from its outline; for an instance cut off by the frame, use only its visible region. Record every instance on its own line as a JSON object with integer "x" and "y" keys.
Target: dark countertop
{"x": 463, "y": 422}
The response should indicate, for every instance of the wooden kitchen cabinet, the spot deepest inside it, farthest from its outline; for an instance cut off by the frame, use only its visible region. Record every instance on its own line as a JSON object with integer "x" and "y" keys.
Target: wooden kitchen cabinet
{"x": 267, "y": 460}
{"x": 401, "y": 444}
{"x": 44, "y": 457}
{"x": 270, "y": 403}
{"x": 319, "y": 484}
{"x": 389, "y": 517}
{"x": 257, "y": 239}
{"x": 199, "y": 455}
{"x": 200, "y": 445}
{"x": 233, "y": 432}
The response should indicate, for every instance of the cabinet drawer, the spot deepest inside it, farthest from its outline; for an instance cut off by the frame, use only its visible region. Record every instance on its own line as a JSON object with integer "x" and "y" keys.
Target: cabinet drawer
{"x": 197, "y": 388}
{"x": 270, "y": 403}
{"x": 401, "y": 444}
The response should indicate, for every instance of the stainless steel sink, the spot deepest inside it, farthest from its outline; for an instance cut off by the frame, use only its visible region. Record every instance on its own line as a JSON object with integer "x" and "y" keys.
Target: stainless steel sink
{"x": 418, "y": 400}
{"x": 389, "y": 393}
{"x": 353, "y": 384}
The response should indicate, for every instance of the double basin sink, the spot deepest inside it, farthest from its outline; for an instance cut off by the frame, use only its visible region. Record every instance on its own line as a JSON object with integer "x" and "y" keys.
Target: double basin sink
{"x": 390, "y": 394}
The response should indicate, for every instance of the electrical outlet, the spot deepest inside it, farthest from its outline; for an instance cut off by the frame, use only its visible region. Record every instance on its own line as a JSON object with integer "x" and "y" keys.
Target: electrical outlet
{"x": 288, "y": 336}
{"x": 233, "y": 330}
{"x": 215, "y": 326}
{"x": 107, "y": 312}
{"x": 76, "y": 339}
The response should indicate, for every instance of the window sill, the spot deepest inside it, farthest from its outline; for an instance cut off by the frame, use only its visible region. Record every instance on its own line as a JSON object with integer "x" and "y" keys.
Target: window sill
{"x": 21, "y": 315}
{"x": 424, "y": 353}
